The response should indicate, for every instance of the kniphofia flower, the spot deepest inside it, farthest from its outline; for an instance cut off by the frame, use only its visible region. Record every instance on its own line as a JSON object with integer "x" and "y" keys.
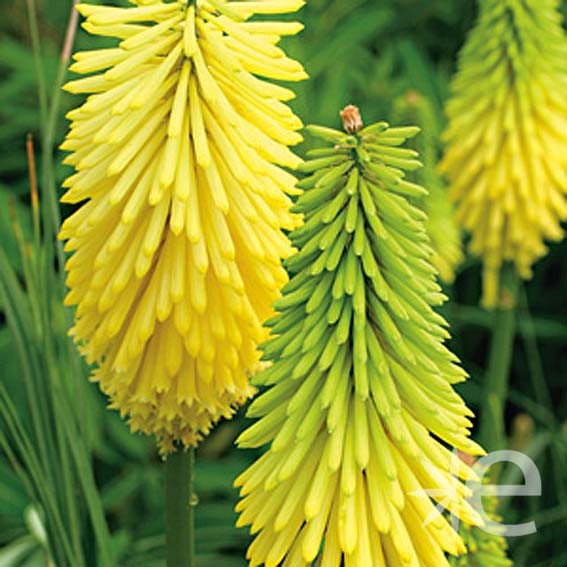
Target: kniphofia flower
{"x": 360, "y": 390}
{"x": 444, "y": 234}
{"x": 506, "y": 153}
{"x": 177, "y": 243}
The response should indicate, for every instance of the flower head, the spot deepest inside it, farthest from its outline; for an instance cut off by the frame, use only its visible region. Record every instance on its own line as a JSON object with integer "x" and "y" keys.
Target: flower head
{"x": 360, "y": 390}
{"x": 177, "y": 242}
{"x": 506, "y": 153}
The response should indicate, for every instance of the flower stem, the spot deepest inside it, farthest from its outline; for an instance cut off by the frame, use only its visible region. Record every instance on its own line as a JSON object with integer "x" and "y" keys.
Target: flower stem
{"x": 492, "y": 429}
{"x": 180, "y": 509}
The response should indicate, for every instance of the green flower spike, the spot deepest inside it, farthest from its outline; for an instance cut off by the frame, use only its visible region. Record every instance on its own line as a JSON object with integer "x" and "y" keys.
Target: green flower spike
{"x": 360, "y": 390}
{"x": 441, "y": 225}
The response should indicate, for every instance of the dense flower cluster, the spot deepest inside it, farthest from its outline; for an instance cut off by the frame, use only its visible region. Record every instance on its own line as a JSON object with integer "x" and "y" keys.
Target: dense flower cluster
{"x": 177, "y": 242}
{"x": 360, "y": 390}
{"x": 507, "y": 136}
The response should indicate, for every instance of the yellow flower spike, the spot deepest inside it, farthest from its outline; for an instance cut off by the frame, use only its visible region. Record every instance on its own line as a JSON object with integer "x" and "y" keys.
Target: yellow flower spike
{"x": 506, "y": 156}
{"x": 177, "y": 243}
{"x": 359, "y": 392}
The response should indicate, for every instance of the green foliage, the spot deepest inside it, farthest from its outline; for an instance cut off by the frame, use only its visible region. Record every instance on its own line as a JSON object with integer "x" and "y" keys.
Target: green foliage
{"x": 45, "y": 441}
{"x": 368, "y": 53}
{"x": 19, "y": 111}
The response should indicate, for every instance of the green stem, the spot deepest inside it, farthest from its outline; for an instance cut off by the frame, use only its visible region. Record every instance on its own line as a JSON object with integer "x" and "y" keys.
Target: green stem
{"x": 49, "y": 113}
{"x": 180, "y": 509}
{"x": 495, "y": 392}
{"x": 50, "y": 189}
{"x": 48, "y": 139}
{"x": 535, "y": 363}
{"x": 36, "y": 46}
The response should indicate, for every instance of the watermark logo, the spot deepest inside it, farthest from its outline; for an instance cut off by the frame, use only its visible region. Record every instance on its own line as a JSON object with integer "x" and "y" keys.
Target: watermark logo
{"x": 448, "y": 498}
{"x": 531, "y": 487}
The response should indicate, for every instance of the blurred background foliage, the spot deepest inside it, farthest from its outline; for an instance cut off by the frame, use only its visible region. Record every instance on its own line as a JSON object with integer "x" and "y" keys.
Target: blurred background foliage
{"x": 81, "y": 464}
